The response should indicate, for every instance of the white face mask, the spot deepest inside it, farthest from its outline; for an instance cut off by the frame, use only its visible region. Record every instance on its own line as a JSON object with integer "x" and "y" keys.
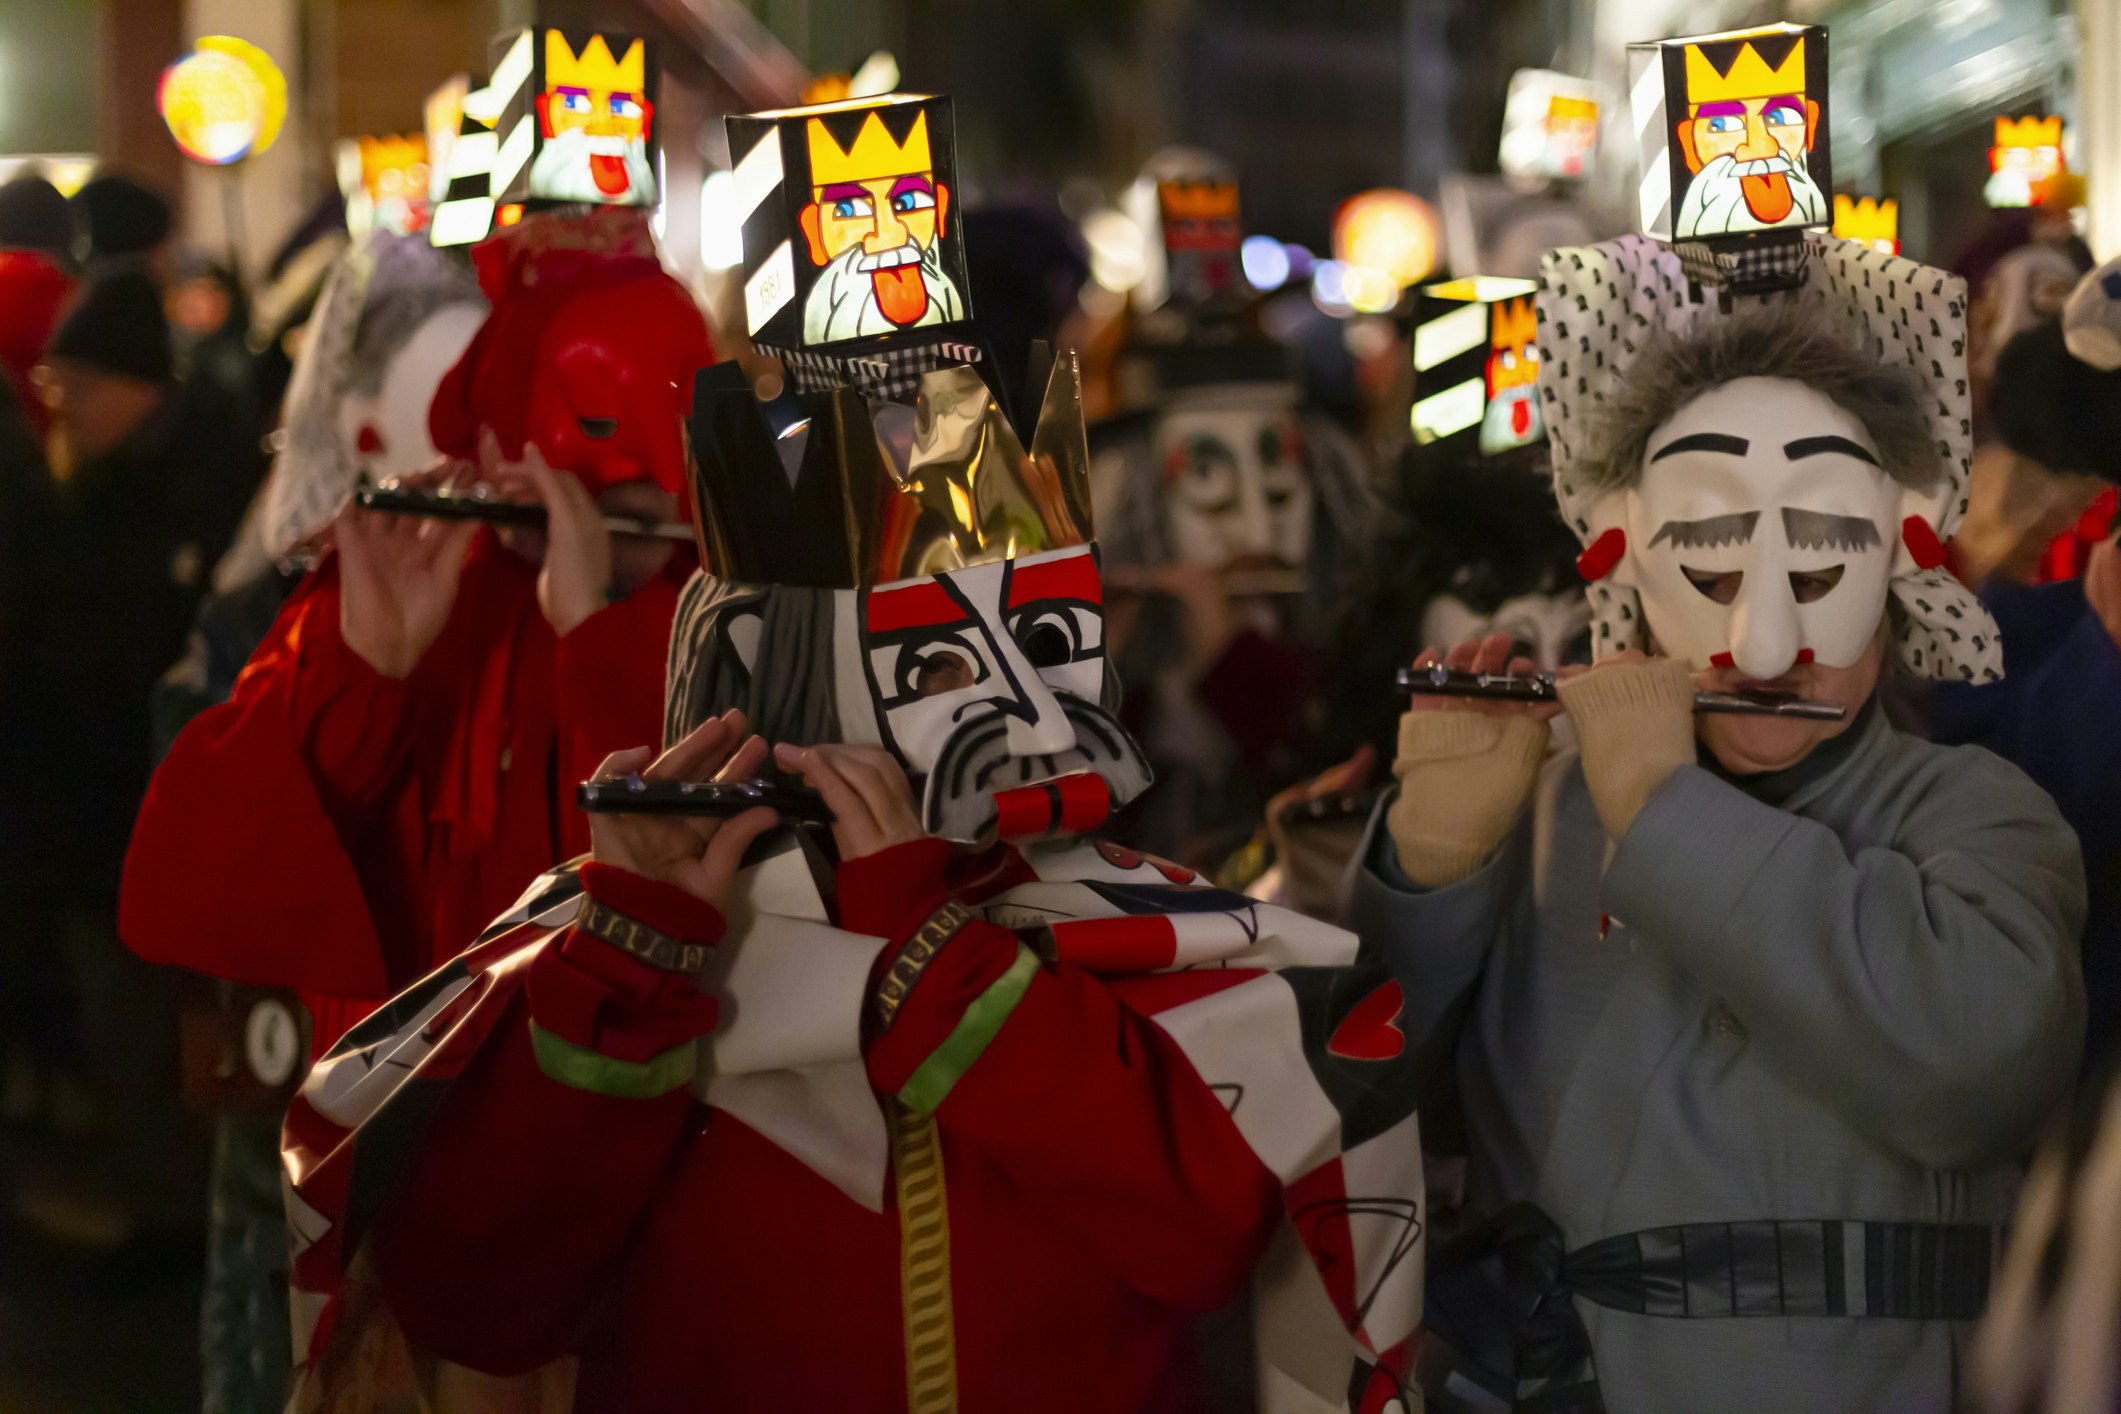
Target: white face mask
{"x": 385, "y": 433}
{"x": 1763, "y": 532}
{"x": 988, "y": 678}
{"x": 1550, "y": 629}
{"x": 1234, "y": 481}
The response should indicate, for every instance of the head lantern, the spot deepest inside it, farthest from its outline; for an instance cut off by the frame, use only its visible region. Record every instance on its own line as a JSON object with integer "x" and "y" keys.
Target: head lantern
{"x": 1186, "y": 204}
{"x": 1549, "y": 125}
{"x": 590, "y": 352}
{"x": 1476, "y": 364}
{"x": 1761, "y": 522}
{"x": 954, "y": 582}
{"x": 2027, "y": 155}
{"x": 1875, "y": 223}
{"x": 577, "y": 123}
{"x": 851, "y": 228}
{"x": 1733, "y": 132}
{"x": 385, "y": 183}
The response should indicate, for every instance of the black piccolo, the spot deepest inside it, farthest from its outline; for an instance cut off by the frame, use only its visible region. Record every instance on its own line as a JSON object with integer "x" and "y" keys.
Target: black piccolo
{"x": 1439, "y": 681}
{"x": 443, "y": 505}
{"x": 630, "y": 795}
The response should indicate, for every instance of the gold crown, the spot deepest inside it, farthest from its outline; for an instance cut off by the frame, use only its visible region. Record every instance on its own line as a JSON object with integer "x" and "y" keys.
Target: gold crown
{"x": 594, "y": 68}
{"x": 2028, "y": 132}
{"x": 1750, "y": 74}
{"x": 1866, "y": 220}
{"x": 385, "y": 154}
{"x": 1513, "y": 325}
{"x": 1566, "y": 106}
{"x": 874, "y": 153}
{"x": 1198, "y": 201}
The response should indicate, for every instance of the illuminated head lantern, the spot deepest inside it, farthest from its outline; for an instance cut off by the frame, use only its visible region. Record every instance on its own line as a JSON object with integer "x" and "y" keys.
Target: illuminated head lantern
{"x": 1763, "y": 489}
{"x": 1734, "y": 134}
{"x": 385, "y": 182}
{"x": 1549, "y": 125}
{"x": 576, "y": 120}
{"x": 1476, "y": 363}
{"x": 1875, "y": 223}
{"x": 850, "y": 223}
{"x": 2027, "y": 155}
{"x": 912, "y": 577}
{"x": 1186, "y": 204}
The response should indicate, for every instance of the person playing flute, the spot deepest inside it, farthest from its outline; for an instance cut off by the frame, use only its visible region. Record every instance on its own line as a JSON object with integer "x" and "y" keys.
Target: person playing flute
{"x": 1744, "y": 1020}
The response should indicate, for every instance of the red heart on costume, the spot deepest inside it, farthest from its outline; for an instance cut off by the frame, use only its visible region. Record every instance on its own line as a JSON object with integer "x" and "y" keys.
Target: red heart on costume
{"x": 1370, "y": 1031}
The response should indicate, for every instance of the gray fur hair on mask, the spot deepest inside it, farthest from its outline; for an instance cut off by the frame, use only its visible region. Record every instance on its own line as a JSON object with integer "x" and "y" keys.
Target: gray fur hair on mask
{"x": 791, "y": 700}
{"x": 1783, "y": 340}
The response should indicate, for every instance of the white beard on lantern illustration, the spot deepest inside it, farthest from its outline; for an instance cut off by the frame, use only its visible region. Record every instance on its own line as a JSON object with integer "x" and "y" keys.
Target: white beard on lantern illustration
{"x": 1236, "y": 494}
{"x": 1717, "y": 202}
{"x": 1763, "y": 531}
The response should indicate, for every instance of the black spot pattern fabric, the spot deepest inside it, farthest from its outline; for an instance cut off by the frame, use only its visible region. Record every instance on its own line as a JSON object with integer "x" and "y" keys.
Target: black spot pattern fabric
{"x": 1595, "y": 301}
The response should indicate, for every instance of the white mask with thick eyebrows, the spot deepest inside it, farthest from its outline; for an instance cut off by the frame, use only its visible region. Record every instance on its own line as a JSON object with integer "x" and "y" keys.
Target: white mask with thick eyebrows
{"x": 1763, "y": 531}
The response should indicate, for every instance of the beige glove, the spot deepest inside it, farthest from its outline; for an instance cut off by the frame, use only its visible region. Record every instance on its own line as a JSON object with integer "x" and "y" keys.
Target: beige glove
{"x": 1463, "y": 778}
{"x": 1635, "y": 726}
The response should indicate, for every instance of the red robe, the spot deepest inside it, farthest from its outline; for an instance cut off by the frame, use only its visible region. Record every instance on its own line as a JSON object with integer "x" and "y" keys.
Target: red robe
{"x": 33, "y": 293}
{"x": 1098, "y": 1192}
{"x": 342, "y": 833}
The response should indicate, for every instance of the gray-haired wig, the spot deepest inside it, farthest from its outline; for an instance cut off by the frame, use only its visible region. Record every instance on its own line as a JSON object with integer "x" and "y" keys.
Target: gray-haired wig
{"x": 1782, "y": 340}
{"x": 790, "y": 699}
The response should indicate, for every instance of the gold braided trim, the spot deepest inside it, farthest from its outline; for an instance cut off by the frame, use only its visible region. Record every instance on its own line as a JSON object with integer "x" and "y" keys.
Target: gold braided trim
{"x": 924, "y": 1263}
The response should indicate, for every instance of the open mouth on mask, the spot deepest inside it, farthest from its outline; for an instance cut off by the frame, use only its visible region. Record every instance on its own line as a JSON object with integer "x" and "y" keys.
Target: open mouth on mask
{"x": 907, "y": 254}
{"x": 958, "y": 800}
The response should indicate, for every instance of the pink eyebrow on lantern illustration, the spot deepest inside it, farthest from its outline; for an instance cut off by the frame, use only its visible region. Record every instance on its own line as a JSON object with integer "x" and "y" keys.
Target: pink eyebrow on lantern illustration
{"x": 906, "y": 184}
{"x": 841, "y": 191}
{"x": 1723, "y": 108}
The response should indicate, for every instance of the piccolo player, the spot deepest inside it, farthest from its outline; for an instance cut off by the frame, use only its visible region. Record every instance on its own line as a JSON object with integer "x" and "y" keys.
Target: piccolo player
{"x": 1745, "y": 1019}
{"x": 917, "y": 1128}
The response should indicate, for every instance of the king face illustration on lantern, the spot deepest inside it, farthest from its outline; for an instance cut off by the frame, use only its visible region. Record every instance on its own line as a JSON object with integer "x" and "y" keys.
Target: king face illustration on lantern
{"x": 587, "y": 123}
{"x": 1746, "y": 120}
{"x": 1512, "y": 416}
{"x": 875, "y": 225}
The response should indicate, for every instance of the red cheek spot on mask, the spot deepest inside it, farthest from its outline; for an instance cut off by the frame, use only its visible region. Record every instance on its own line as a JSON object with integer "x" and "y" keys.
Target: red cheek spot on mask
{"x": 1722, "y": 660}
{"x": 368, "y": 441}
{"x": 1597, "y": 562}
{"x": 1922, "y": 542}
{"x": 1804, "y": 655}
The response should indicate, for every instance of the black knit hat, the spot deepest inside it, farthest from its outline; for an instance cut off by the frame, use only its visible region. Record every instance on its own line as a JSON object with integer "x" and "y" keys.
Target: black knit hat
{"x": 33, "y": 216}
{"x": 118, "y": 326}
{"x": 120, "y": 217}
{"x": 2055, "y": 408}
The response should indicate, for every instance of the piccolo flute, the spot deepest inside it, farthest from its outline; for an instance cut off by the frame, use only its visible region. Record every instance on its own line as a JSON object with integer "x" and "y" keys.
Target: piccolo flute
{"x": 441, "y": 505}
{"x": 1439, "y": 681}
{"x": 630, "y": 795}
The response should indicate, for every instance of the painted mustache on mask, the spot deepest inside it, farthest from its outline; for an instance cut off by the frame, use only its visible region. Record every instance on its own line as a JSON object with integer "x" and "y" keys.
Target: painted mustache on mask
{"x": 958, "y": 800}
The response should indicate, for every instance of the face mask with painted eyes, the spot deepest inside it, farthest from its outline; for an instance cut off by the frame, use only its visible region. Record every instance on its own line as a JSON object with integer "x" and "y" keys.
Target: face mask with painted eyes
{"x": 1235, "y": 487}
{"x": 1763, "y": 531}
{"x": 990, "y": 679}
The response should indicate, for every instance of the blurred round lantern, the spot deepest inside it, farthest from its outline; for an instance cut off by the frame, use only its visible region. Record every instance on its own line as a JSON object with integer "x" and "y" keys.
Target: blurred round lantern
{"x": 224, "y": 101}
{"x": 1388, "y": 234}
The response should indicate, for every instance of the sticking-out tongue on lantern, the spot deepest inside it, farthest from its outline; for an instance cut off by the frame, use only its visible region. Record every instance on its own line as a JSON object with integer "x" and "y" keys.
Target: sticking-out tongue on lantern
{"x": 1734, "y": 159}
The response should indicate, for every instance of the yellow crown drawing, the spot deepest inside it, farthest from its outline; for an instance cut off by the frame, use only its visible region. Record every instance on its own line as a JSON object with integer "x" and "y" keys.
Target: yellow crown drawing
{"x": 875, "y": 152}
{"x": 1750, "y": 74}
{"x": 386, "y": 154}
{"x": 1514, "y": 325}
{"x": 1562, "y": 107}
{"x": 1866, "y": 220}
{"x": 1198, "y": 201}
{"x": 2028, "y": 132}
{"x": 594, "y": 68}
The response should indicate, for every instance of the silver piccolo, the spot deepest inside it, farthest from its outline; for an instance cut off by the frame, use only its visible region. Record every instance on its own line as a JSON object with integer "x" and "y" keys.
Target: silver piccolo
{"x": 1440, "y": 681}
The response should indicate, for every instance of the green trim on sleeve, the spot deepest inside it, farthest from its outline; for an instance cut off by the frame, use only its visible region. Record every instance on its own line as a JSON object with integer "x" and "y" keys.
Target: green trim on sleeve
{"x": 584, "y": 1069}
{"x": 931, "y": 1084}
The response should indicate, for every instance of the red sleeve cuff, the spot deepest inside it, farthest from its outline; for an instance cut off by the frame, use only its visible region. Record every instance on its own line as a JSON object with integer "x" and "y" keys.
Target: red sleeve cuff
{"x": 663, "y": 907}
{"x": 967, "y": 966}
{"x": 890, "y": 893}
